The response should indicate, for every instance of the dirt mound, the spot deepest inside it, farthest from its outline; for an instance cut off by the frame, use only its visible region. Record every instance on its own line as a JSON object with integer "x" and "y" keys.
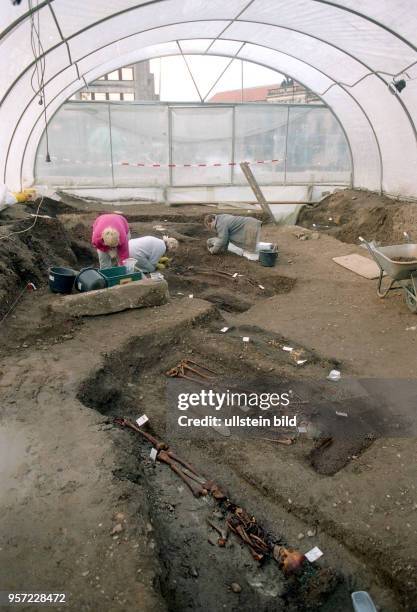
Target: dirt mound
{"x": 25, "y": 257}
{"x": 348, "y": 214}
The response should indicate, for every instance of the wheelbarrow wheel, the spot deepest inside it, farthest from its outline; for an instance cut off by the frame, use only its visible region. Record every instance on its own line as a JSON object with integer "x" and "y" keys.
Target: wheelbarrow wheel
{"x": 410, "y": 298}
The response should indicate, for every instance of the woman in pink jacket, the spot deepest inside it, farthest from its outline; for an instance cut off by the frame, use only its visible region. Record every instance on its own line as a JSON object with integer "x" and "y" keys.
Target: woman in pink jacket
{"x": 111, "y": 239}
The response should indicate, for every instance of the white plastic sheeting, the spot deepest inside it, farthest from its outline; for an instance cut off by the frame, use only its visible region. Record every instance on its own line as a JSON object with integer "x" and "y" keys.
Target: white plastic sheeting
{"x": 345, "y": 50}
{"x": 159, "y": 145}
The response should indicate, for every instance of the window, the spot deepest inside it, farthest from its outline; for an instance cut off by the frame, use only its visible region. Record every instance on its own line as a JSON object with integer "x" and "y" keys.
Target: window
{"x": 127, "y": 74}
{"x": 128, "y": 97}
{"x": 99, "y": 96}
{"x": 85, "y": 95}
{"x": 115, "y": 96}
{"x": 113, "y": 76}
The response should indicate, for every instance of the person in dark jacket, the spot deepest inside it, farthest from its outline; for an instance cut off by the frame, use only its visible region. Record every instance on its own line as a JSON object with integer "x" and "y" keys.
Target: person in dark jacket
{"x": 244, "y": 232}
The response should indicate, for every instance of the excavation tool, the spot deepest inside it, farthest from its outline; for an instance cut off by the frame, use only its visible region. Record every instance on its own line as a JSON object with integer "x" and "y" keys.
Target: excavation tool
{"x": 187, "y": 365}
{"x": 399, "y": 262}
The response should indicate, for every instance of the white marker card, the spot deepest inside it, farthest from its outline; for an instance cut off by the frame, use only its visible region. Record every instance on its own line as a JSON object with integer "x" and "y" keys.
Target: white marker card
{"x": 313, "y": 554}
{"x": 289, "y": 349}
{"x": 235, "y": 275}
{"x": 261, "y": 287}
{"x": 224, "y": 330}
{"x": 343, "y": 414}
{"x": 301, "y": 361}
{"x": 142, "y": 420}
{"x": 245, "y": 339}
{"x": 191, "y": 296}
{"x": 154, "y": 454}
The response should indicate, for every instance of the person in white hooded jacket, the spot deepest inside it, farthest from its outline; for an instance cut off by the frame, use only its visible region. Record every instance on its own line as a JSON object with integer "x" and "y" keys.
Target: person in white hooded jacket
{"x": 149, "y": 251}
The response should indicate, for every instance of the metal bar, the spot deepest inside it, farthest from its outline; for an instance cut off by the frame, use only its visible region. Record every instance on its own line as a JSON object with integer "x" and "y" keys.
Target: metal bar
{"x": 223, "y": 72}
{"x": 232, "y": 168}
{"x": 189, "y": 71}
{"x": 111, "y": 147}
{"x": 170, "y": 145}
{"x": 286, "y": 145}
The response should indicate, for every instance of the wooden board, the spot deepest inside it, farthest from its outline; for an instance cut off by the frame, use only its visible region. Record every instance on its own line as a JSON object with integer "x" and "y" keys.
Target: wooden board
{"x": 359, "y": 265}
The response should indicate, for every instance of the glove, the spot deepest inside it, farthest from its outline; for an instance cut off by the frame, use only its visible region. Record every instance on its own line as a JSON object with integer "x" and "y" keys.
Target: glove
{"x": 160, "y": 266}
{"x": 164, "y": 260}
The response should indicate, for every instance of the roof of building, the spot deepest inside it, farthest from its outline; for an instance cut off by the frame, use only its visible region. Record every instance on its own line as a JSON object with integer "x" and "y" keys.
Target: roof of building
{"x": 250, "y": 94}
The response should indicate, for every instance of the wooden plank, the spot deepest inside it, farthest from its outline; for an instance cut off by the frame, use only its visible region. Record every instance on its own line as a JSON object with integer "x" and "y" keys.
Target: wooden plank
{"x": 253, "y": 183}
{"x": 359, "y": 265}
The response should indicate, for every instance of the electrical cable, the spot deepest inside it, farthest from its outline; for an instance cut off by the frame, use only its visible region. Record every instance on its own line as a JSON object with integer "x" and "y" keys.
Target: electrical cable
{"x": 27, "y": 228}
{"x": 39, "y": 69}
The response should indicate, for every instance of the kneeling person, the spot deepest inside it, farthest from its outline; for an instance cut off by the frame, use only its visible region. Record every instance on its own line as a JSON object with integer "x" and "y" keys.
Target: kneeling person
{"x": 148, "y": 251}
{"x": 244, "y": 232}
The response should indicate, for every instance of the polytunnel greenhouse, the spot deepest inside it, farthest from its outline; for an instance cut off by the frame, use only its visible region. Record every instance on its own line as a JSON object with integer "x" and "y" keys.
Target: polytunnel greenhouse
{"x": 208, "y": 300}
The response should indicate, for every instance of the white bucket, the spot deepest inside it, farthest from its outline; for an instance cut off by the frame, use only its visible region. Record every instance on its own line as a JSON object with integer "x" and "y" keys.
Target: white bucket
{"x": 129, "y": 264}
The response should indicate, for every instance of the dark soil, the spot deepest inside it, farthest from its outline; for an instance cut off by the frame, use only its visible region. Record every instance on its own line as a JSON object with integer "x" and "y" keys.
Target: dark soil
{"x": 348, "y": 214}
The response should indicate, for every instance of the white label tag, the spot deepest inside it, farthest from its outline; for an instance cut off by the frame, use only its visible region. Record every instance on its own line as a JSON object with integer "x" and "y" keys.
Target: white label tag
{"x": 224, "y": 330}
{"x": 261, "y": 287}
{"x": 301, "y": 361}
{"x": 142, "y": 420}
{"x": 191, "y": 296}
{"x": 313, "y": 554}
{"x": 154, "y": 454}
{"x": 79, "y": 285}
{"x": 289, "y": 349}
{"x": 51, "y": 278}
{"x": 343, "y": 414}
{"x": 235, "y": 275}
{"x": 245, "y": 339}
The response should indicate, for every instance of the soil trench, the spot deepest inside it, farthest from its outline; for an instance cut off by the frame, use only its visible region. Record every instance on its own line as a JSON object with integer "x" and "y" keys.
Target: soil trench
{"x": 301, "y": 492}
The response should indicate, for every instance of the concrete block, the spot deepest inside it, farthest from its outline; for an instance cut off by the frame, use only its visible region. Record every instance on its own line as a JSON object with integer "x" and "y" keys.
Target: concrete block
{"x": 138, "y": 294}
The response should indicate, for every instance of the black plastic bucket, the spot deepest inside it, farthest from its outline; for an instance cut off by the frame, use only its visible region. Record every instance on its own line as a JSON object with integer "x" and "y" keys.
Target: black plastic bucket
{"x": 90, "y": 279}
{"x": 268, "y": 258}
{"x": 61, "y": 280}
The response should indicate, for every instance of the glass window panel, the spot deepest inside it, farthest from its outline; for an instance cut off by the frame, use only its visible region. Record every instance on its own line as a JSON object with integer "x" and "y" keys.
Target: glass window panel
{"x": 202, "y": 135}
{"x": 317, "y": 150}
{"x": 127, "y": 74}
{"x": 115, "y": 96}
{"x": 79, "y": 141}
{"x": 129, "y": 97}
{"x": 99, "y": 96}
{"x": 140, "y": 135}
{"x": 260, "y": 134}
{"x": 113, "y": 76}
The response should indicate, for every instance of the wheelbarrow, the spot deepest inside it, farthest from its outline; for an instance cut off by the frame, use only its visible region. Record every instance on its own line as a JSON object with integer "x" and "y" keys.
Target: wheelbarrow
{"x": 401, "y": 274}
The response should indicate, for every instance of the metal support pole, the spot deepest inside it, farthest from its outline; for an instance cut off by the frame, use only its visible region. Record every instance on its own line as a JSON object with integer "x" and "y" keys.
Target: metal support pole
{"x": 111, "y": 147}
{"x": 171, "y": 169}
{"x": 286, "y": 145}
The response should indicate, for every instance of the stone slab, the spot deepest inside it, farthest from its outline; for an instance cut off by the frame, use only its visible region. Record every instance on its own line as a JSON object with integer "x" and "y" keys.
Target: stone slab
{"x": 138, "y": 294}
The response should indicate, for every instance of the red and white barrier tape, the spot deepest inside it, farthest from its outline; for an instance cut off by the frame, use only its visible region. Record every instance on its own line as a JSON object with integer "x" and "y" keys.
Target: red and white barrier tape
{"x": 78, "y": 162}
{"x": 202, "y": 165}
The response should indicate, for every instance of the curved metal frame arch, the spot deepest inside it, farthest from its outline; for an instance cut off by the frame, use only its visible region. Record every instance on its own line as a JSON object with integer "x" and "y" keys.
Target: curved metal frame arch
{"x": 368, "y": 68}
{"x": 249, "y": 61}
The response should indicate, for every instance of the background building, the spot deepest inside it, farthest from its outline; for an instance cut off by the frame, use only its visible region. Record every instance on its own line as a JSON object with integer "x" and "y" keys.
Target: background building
{"x": 135, "y": 82}
{"x": 288, "y": 92}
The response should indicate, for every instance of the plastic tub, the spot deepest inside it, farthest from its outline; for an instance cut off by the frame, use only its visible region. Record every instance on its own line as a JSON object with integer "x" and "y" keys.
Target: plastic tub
{"x": 61, "y": 280}
{"x": 90, "y": 279}
{"x": 119, "y": 276}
